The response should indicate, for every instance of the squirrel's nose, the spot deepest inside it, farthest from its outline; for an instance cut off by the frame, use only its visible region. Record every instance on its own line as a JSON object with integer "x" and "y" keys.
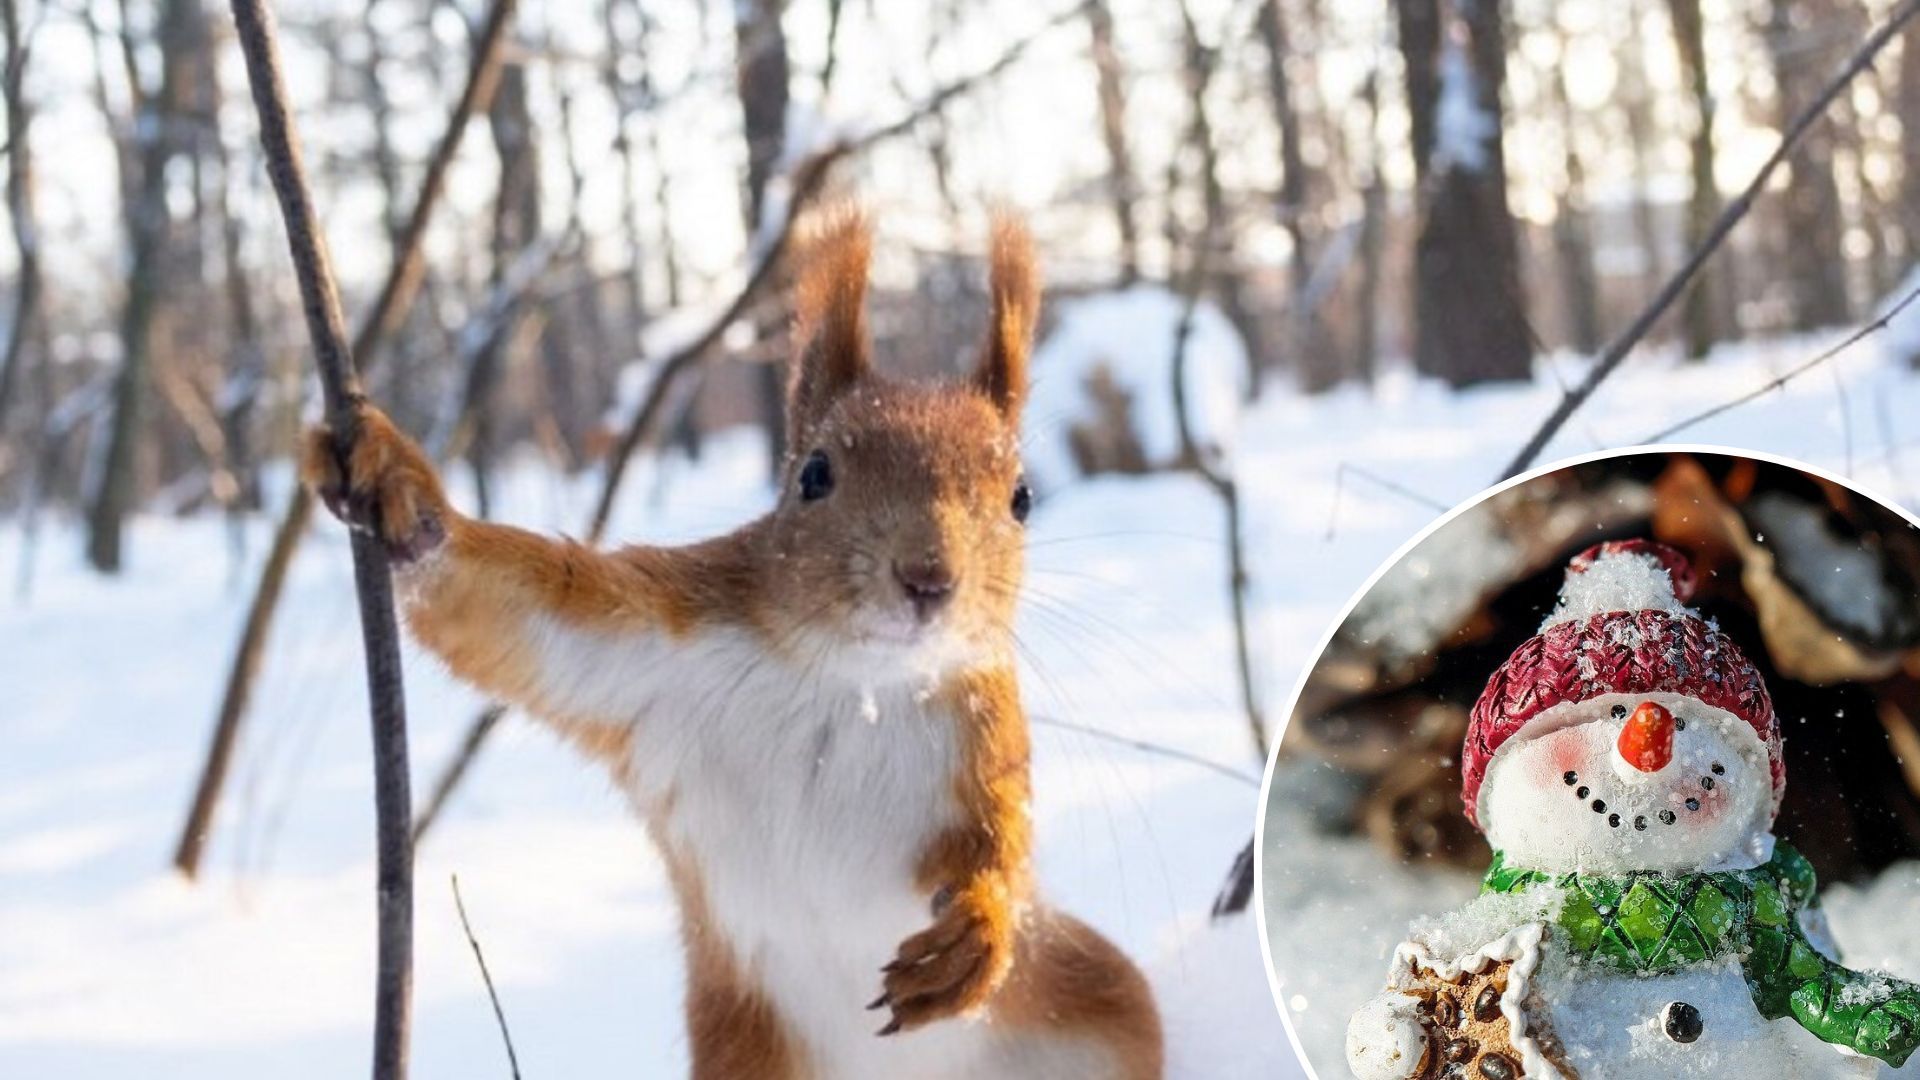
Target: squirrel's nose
{"x": 928, "y": 584}
{"x": 1646, "y": 743}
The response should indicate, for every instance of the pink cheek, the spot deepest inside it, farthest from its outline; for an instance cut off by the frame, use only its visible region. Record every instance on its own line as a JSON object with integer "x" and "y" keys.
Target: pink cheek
{"x": 1566, "y": 757}
{"x": 1713, "y": 804}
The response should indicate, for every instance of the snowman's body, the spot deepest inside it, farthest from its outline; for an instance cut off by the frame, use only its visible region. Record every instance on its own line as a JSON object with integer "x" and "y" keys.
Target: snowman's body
{"x": 1612, "y": 1025}
{"x": 1625, "y": 766}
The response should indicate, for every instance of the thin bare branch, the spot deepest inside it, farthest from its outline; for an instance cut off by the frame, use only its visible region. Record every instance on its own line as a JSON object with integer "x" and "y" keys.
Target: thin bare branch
{"x": 486, "y": 976}
{"x": 1781, "y": 380}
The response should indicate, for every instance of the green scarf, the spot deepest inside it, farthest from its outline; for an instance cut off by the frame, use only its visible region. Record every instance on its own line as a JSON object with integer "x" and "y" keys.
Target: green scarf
{"x": 1653, "y": 923}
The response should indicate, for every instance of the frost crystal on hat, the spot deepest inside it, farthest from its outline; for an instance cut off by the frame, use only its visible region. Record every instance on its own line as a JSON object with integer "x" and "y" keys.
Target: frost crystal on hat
{"x": 1622, "y": 576}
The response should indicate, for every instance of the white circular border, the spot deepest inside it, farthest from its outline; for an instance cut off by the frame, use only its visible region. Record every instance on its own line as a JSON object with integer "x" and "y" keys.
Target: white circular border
{"x": 1274, "y": 988}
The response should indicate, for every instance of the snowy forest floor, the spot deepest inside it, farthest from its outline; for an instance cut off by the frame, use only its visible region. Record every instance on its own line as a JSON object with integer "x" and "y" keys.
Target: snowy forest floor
{"x": 111, "y": 966}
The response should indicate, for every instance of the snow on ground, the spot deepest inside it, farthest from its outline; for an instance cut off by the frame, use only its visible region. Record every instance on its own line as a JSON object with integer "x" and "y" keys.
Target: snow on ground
{"x": 110, "y": 967}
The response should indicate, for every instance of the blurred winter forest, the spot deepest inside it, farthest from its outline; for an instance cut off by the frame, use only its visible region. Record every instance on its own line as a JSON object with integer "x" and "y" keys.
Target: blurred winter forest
{"x": 1458, "y": 185}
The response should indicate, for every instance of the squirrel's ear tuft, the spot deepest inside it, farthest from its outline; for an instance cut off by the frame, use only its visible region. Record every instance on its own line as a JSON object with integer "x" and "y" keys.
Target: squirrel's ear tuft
{"x": 1015, "y": 288}
{"x": 830, "y": 307}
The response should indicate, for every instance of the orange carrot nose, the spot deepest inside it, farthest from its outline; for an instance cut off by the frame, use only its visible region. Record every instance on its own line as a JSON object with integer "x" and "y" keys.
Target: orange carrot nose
{"x": 1647, "y": 741}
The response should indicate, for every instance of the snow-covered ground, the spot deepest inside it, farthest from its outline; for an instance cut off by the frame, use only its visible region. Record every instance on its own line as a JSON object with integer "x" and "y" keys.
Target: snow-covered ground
{"x": 110, "y": 966}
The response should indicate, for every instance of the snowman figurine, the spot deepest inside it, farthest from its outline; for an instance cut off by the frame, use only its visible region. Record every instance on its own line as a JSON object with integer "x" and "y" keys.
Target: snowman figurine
{"x": 1639, "y": 919}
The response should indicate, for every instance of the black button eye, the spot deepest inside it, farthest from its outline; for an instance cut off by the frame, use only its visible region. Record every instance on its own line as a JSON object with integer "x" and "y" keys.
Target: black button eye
{"x": 816, "y": 477}
{"x": 1682, "y": 1022}
{"x": 1022, "y": 501}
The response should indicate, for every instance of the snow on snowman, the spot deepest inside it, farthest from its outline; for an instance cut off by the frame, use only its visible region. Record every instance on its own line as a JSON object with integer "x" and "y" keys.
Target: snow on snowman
{"x": 1639, "y": 919}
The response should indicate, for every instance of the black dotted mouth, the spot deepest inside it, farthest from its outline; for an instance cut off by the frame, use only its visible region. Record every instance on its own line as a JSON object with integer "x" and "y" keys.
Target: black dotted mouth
{"x": 1639, "y": 821}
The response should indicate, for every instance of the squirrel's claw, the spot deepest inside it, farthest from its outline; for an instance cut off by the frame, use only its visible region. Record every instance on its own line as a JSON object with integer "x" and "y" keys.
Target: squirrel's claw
{"x": 947, "y": 969}
{"x": 386, "y": 486}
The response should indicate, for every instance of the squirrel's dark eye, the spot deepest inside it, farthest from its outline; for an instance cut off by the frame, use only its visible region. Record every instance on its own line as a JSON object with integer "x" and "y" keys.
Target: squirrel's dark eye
{"x": 1022, "y": 501}
{"x": 816, "y": 477}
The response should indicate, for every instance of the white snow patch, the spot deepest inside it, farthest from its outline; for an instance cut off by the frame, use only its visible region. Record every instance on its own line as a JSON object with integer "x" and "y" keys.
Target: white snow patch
{"x": 1129, "y": 335}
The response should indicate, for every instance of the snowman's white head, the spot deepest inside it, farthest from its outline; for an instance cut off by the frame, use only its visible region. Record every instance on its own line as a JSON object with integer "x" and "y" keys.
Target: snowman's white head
{"x": 1629, "y": 733}
{"x": 1623, "y": 782}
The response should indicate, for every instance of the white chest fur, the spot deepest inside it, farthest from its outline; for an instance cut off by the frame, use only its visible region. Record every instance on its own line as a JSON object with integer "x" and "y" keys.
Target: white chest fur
{"x": 801, "y": 802}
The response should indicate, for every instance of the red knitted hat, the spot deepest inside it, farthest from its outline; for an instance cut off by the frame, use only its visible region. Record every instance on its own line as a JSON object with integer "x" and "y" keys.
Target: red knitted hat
{"x": 1621, "y": 627}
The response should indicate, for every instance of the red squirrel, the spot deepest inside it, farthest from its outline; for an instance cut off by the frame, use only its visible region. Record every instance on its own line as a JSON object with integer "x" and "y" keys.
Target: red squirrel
{"x": 816, "y": 716}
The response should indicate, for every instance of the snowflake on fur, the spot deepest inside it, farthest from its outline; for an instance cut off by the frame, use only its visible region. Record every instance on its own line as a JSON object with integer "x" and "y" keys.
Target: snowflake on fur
{"x": 1639, "y": 920}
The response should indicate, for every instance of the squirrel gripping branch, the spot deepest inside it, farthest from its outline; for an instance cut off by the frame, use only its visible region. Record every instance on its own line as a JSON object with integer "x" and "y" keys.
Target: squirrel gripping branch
{"x": 816, "y": 716}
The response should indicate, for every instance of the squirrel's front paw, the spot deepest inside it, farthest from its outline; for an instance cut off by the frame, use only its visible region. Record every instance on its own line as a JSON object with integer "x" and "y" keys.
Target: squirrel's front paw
{"x": 950, "y": 967}
{"x": 387, "y": 488}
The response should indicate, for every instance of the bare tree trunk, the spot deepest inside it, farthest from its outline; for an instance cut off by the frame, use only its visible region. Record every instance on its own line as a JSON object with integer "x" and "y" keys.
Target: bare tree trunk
{"x": 1701, "y": 315}
{"x": 1123, "y": 183}
{"x": 763, "y": 72}
{"x": 245, "y": 377}
{"x": 1811, "y": 212}
{"x": 21, "y": 209}
{"x": 576, "y": 330}
{"x": 663, "y": 176}
{"x": 1909, "y": 110}
{"x": 1373, "y": 228}
{"x": 1201, "y": 63}
{"x": 1636, "y": 107}
{"x": 1310, "y": 351}
{"x": 157, "y": 132}
{"x": 516, "y": 225}
{"x": 625, "y": 107}
{"x": 1470, "y": 323}
{"x": 1572, "y": 231}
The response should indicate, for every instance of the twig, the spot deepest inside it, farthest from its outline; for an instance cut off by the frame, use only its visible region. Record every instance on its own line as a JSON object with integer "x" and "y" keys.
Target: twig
{"x": 396, "y": 297}
{"x": 804, "y": 183}
{"x": 1237, "y": 891}
{"x": 1147, "y": 747}
{"x": 1781, "y": 380}
{"x": 456, "y": 770}
{"x": 373, "y": 581}
{"x": 1346, "y": 468}
{"x": 1730, "y": 215}
{"x": 499, "y": 1014}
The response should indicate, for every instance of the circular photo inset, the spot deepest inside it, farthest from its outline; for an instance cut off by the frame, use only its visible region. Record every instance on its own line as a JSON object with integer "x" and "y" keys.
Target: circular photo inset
{"x": 1612, "y": 774}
